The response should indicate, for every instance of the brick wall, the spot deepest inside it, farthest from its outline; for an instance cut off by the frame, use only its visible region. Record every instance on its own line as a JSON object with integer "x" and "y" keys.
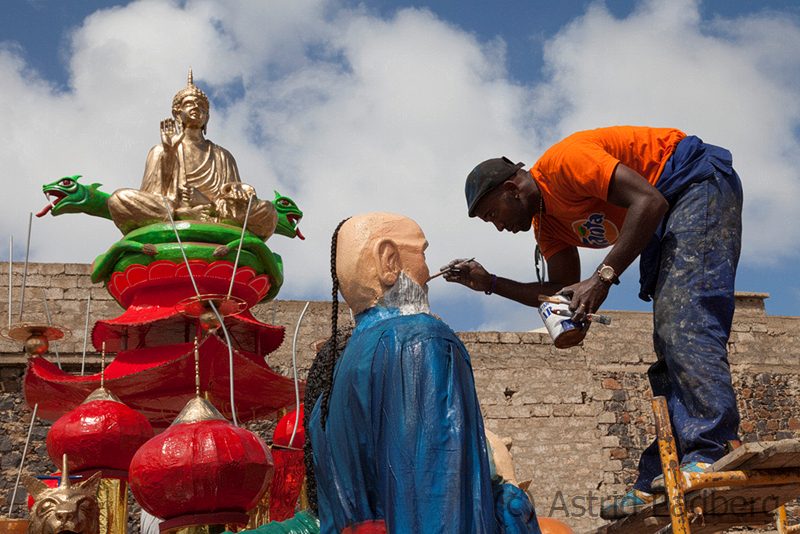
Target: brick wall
{"x": 578, "y": 418}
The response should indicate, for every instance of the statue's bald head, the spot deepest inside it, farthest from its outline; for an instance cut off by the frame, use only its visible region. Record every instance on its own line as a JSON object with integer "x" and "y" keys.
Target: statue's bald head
{"x": 372, "y": 250}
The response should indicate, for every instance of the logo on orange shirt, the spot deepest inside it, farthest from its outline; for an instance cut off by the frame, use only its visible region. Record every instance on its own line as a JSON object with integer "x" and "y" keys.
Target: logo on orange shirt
{"x": 595, "y": 230}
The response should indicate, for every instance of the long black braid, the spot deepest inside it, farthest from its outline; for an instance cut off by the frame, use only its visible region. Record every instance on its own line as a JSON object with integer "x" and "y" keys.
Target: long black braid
{"x": 320, "y": 376}
{"x": 326, "y": 394}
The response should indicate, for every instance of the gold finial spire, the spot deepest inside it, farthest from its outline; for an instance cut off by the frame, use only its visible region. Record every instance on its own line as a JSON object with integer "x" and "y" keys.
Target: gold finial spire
{"x": 190, "y": 90}
{"x": 64, "y": 473}
{"x": 196, "y": 368}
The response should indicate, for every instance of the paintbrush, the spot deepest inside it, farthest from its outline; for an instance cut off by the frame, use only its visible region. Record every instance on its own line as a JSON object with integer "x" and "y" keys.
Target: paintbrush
{"x": 554, "y": 299}
{"x": 594, "y": 317}
{"x": 448, "y": 269}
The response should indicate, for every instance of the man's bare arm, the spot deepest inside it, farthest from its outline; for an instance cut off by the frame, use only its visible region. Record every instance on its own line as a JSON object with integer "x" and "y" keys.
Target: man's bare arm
{"x": 564, "y": 268}
{"x": 646, "y": 207}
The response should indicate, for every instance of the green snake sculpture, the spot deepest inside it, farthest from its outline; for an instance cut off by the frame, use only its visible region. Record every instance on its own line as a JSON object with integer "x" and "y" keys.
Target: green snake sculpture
{"x": 68, "y": 195}
{"x": 157, "y": 241}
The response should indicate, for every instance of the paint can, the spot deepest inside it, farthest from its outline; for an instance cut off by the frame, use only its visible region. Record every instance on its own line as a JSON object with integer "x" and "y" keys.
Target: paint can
{"x": 557, "y": 318}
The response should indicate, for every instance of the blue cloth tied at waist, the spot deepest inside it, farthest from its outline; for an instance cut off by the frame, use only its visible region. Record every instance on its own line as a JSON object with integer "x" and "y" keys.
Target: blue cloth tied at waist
{"x": 692, "y": 162}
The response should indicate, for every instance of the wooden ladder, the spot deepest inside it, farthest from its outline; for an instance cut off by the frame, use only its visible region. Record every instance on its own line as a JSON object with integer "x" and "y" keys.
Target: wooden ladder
{"x": 780, "y": 522}
{"x": 747, "y": 487}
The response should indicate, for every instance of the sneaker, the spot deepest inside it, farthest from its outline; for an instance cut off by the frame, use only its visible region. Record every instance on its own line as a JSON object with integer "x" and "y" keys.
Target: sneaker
{"x": 691, "y": 467}
{"x": 630, "y": 503}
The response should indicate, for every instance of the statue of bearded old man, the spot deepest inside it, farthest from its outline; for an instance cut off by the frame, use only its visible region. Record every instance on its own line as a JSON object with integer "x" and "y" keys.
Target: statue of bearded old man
{"x": 199, "y": 179}
{"x": 397, "y": 433}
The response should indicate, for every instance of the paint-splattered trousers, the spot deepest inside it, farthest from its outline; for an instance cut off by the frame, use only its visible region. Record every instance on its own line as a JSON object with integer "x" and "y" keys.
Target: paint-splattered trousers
{"x": 693, "y": 306}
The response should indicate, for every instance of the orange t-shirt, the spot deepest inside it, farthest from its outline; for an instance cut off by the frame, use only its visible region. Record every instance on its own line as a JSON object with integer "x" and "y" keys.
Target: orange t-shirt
{"x": 573, "y": 176}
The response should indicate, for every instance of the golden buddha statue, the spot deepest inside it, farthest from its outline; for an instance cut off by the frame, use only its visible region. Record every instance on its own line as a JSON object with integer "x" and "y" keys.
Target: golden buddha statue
{"x": 199, "y": 179}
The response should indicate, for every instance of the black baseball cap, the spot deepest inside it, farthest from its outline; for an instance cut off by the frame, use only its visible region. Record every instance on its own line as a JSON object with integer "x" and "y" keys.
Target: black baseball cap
{"x": 485, "y": 177}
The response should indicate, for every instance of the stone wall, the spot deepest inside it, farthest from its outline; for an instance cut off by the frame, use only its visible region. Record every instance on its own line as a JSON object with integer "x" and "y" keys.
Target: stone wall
{"x": 578, "y": 418}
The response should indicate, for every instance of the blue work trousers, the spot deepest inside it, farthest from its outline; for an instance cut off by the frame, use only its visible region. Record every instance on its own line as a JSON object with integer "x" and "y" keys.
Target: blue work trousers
{"x": 693, "y": 308}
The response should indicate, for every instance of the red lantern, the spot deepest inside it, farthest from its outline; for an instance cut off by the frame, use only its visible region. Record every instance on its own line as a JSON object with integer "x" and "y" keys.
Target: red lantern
{"x": 285, "y": 427}
{"x": 102, "y": 433}
{"x": 200, "y": 468}
{"x": 290, "y": 470}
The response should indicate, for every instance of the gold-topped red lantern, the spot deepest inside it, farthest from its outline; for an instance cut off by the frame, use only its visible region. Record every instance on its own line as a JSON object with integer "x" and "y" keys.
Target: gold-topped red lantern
{"x": 100, "y": 434}
{"x": 202, "y": 469}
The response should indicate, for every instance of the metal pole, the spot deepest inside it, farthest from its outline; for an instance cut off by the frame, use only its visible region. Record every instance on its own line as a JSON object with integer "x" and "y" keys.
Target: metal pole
{"x": 22, "y": 461}
{"x": 196, "y": 369}
{"x": 10, "y": 277}
{"x": 180, "y": 244}
{"x": 86, "y": 331}
{"x": 294, "y": 373}
{"x": 103, "y": 367}
{"x": 50, "y": 323}
{"x": 230, "y": 358}
{"x": 25, "y": 272}
{"x": 211, "y": 304}
{"x": 241, "y": 242}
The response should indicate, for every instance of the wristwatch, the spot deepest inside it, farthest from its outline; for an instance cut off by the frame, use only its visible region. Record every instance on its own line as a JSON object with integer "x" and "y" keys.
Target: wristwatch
{"x": 607, "y": 274}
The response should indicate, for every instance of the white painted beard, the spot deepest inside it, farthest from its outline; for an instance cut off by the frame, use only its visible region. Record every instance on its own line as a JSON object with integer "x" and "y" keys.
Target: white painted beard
{"x": 407, "y": 296}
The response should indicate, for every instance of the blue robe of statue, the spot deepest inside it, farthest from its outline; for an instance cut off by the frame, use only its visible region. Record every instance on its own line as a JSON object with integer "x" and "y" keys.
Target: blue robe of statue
{"x": 404, "y": 441}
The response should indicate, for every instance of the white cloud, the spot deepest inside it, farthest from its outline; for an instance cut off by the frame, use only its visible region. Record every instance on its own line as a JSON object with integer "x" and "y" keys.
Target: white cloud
{"x": 348, "y": 112}
{"x": 732, "y": 82}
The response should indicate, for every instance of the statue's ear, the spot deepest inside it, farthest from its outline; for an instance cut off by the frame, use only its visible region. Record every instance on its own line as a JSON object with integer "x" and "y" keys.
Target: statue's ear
{"x": 277, "y": 195}
{"x": 34, "y": 486}
{"x": 387, "y": 257}
{"x": 90, "y": 485}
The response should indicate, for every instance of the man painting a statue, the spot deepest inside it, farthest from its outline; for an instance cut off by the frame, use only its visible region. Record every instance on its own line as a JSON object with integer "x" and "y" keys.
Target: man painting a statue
{"x": 199, "y": 178}
{"x": 397, "y": 434}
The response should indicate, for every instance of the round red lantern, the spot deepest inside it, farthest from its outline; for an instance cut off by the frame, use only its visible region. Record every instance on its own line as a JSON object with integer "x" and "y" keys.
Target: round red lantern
{"x": 290, "y": 469}
{"x": 200, "y": 468}
{"x": 102, "y": 433}
{"x": 285, "y": 427}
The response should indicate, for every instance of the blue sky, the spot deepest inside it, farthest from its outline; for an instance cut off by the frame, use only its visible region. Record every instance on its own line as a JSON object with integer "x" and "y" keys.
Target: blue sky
{"x": 384, "y": 105}
{"x": 41, "y": 26}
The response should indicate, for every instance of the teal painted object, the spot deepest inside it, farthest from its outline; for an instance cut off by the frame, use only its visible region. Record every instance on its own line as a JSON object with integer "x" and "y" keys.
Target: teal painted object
{"x": 303, "y": 522}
